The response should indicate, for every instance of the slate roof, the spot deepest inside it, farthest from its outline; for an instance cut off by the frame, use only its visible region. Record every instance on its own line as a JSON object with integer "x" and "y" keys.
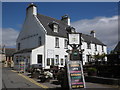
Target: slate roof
{"x": 24, "y": 51}
{"x": 91, "y": 39}
{"x": 117, "y": 48}
{"x": 45, "y": 20}
{"x": 9, "y": 51}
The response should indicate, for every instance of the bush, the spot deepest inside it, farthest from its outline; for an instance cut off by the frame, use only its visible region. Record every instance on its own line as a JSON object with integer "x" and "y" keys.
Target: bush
{"x": 92, "y": 71}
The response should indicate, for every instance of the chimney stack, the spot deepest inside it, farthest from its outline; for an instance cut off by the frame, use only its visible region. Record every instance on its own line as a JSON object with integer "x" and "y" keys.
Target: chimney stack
{"x": 31, "y": 9}
{"x": 92, "y": 33}
{"x": 66, "y": 19}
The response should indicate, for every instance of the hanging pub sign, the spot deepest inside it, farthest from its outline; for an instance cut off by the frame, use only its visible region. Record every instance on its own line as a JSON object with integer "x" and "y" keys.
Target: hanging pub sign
{"x": 74, "y": 39}
{"x": 75, "y": 75}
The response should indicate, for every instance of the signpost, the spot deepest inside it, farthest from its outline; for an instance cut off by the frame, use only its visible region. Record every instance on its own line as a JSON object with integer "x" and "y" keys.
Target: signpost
{"x": 74, "y": 65}
{"x": 75, "y": 75}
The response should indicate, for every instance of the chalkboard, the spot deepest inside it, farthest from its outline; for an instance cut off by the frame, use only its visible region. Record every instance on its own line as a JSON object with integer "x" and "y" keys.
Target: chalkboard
{"x": 22, "y": 66}
{"x": 75, "y": 75}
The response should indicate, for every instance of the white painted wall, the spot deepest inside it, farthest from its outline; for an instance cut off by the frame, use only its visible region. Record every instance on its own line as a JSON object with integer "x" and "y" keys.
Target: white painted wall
{"x": 92, "y": 51}
{"x": 35, "y": 52}
{"x": 31, "y": 30}
{"x": 50, "y": 45}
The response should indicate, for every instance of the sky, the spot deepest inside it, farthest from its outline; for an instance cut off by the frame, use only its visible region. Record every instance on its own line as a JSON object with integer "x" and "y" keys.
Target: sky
{"x": 85, "y": 16}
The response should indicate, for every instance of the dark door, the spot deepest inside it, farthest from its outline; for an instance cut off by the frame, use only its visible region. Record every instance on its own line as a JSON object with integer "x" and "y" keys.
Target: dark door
{"x": 39, "y": 57}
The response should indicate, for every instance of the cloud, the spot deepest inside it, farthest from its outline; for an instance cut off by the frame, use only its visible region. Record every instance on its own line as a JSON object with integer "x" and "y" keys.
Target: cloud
{"x": 106, "y": 29}
{"x": 9, "y": 36}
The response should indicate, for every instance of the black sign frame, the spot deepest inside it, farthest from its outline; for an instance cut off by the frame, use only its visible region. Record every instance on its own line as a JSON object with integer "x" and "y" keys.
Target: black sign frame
{"x": 75, "y": 75}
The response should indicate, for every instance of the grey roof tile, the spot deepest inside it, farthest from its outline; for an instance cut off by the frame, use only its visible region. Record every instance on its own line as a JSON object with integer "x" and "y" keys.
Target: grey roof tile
{"x": 117, "y": 48}
{"x": 91, "y": 39}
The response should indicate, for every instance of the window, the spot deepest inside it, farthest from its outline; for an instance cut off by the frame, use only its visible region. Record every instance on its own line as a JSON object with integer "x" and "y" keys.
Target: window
{"x": 88, "y": 46}
{"x": 102, "y": 48}
{"x": 62, "y": 61}
{"x": 39, "y": 58}
{"x": 55, "y": 28}
{"x": 18, "y": 46}
{"x": 57, "y": 42}
{"x": 66, "y": 58}
{"x": 57, "y": 59}
{"x": 65, "y": 42}
{"x": 48, "y": 61}
{"x": 95, "y": 47}
{"x": 88, "y": 58}
{"x": 39, "y": 41}
{"x": 52, "y": 61}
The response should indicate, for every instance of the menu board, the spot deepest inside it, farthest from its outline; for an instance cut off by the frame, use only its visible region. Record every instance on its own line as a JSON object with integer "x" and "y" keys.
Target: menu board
{"x": 75, "y": 75}
{"x": 22, "y": 66}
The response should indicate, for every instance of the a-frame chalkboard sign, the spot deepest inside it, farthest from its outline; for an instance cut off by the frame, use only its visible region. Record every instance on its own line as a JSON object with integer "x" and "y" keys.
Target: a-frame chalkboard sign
{"x": 75, "y": 75}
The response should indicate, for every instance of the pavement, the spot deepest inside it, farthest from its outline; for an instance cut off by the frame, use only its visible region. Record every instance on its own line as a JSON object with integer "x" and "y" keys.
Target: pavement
{"x": 13, "y": 79}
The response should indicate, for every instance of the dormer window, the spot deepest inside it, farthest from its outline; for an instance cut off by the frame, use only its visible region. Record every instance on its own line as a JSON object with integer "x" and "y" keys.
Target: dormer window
{"x": 55, "y": 28}
{"x": 70, "y": 29}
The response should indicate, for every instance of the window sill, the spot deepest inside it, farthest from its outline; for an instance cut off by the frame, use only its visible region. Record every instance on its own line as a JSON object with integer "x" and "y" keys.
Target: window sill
{"x": 57, "y": 47}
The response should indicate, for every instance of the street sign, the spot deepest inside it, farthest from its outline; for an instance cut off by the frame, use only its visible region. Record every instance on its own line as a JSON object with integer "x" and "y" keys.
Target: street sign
{"x": 75, "y": 75}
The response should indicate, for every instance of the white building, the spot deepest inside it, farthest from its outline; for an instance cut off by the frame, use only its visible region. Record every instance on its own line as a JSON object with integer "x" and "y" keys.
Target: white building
{"x": 43, "y": 40}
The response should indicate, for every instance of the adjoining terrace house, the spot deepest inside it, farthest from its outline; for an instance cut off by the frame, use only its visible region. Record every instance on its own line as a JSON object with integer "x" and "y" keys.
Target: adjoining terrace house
{"x": 43, "y": 40}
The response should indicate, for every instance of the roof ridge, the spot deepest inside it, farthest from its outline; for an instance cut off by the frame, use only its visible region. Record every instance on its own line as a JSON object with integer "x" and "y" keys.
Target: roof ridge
{"x": 48, "y": 16}
{"x": 52, "y": 18}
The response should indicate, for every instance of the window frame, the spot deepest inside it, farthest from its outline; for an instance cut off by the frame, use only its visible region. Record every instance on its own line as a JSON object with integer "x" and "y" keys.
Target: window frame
{"x": 56, "y": 59}
{"x": 48, "y": 63}
{"x": 88, "y": 45}
{"x": 55, "y": 28}
{"x": 39, "y": 40}
{"x": 95, "y": 47}
{"x": 61, "y": 61}
{"x": 56, "y": 42}
{"x": 65, "y": 43}
{"x": 19, "y": 46}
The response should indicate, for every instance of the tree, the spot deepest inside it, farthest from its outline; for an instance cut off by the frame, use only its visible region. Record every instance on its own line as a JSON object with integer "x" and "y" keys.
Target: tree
{"x": 99, "y": 57}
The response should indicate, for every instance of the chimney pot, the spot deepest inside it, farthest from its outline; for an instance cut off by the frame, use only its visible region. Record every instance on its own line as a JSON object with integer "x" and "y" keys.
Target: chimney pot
{"x": 93, "y": 33}
{"x": 32, "y": 9}
{"x": 66, "y": 19}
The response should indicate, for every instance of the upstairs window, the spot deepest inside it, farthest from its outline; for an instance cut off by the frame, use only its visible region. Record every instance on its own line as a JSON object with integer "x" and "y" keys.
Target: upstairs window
{"x": 18, "y": 46}
{"x": 39, "y": 41}
{"x": 102, "y": 48}
{"x": 95, "y": 47}
{"x": 65, "y": 43}
{"x": 55, "y": 28}
{"x": 88, "y": 46}
{"x": 57, "y": 42}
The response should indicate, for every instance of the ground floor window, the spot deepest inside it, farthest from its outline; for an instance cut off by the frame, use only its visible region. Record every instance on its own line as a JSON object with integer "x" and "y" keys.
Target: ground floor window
{"x": 52, "y": 61}
{"x": 88, "y": 58}
{"x": 48, "y": 61}
{"x": 66, "y": 57}
{"x": 62, "y": 61}
{"x": 56, "y": 59}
